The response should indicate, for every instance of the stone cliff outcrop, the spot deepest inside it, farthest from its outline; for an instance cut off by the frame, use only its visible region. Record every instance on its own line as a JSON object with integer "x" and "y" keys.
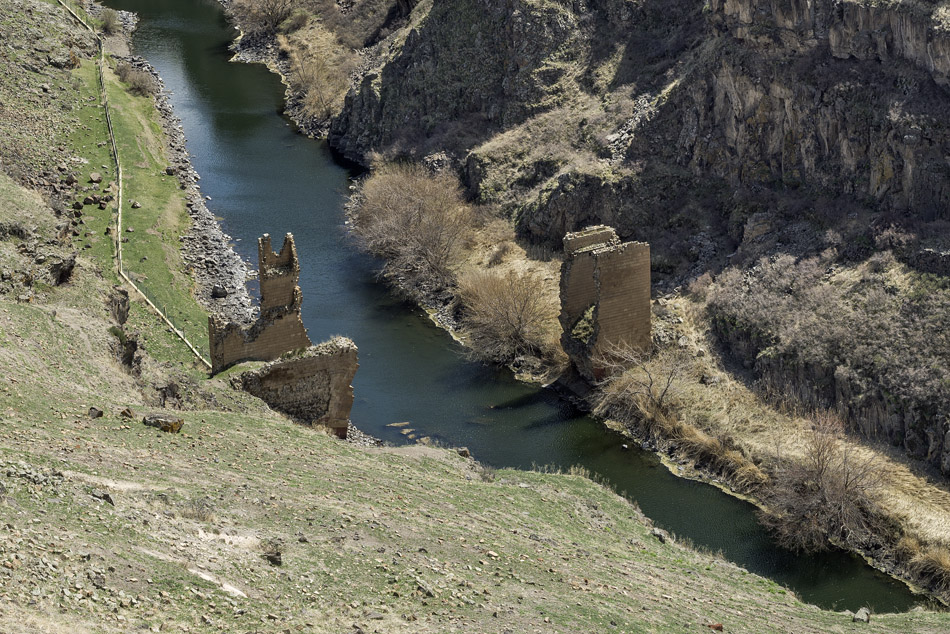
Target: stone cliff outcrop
{"x": 717, "y": 133}
{"x": 838, "y": 98}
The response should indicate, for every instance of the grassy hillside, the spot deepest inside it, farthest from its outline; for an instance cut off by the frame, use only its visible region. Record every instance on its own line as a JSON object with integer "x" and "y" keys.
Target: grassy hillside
{"x": 246, "y": 522}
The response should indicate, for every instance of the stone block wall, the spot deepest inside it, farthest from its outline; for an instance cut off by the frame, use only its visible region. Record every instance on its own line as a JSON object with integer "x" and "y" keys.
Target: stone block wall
{"x": 313, "y": 387}
{"x": 279, "y": 328}
{"x": 278, "y": 274}
{"x": 605, "y": 297}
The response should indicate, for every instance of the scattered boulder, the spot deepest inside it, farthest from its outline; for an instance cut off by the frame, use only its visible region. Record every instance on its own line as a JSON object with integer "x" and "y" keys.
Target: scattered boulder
{"x": 861, "y": 616}
{"x": 95, "y": 177}
{"x": 127, "y": 413}
{"x": 165, "y": 422}
{"x": 95, "y": 412}
{"x": 661, "y": 535}
{"x": 218, "y": 291}
{"x": 77, "y": 205}
{"x": 136, "y": 204}
{"x": 464, "y": 452}
{"x": 103, "y": 495}
{"x": 61, "y": 269}
{"x": 171, "y": 170}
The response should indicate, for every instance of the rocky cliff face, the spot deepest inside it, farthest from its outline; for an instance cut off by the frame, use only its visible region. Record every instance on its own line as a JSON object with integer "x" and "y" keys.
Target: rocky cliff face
{"x": 846, "y": 98}
{"x": 468, "y": 67}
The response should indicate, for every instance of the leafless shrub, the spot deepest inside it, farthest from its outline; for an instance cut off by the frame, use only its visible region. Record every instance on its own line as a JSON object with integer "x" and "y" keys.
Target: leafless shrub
{"x": 506, "y": 314}
{"x": 699, "y": 286}
{"x": 498, "y": 255}
{"x": 138, "y": 82}
{"x": 414, "y": 220}
{"x": 263, "y": 15}
{"x": 637, "y": 384}
{"x": 109, "y": 18}
{"x": 825, "y": 496}
{"x": 297, "y": 20}
{"x": 200, "y": 509}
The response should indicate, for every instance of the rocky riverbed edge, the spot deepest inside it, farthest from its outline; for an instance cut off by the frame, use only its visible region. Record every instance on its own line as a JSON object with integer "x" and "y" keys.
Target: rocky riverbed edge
{"x": 220, "y": 274}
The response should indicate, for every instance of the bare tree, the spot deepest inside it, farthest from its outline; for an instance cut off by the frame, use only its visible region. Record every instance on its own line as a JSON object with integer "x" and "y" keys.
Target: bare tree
{"x": 263, "y": 15}
{"x": 636, "y": 383}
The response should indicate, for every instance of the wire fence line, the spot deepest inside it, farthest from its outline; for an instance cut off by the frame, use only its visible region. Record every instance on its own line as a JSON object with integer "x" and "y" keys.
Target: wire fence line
{"x": 117, "y": 238}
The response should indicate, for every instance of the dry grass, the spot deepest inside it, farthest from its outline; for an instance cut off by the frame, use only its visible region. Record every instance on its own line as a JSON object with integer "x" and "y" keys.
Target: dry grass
{"x": 320, "y": 67}
{"x": 722, "y": 405}
{"x": 646, "y": 393}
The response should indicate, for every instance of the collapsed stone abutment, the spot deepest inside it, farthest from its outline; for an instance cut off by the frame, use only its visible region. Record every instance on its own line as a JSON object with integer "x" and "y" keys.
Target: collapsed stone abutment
{"x": 311, "y": 384}
{"x": 605, "y": 297}
{"x": 313, "y": 387}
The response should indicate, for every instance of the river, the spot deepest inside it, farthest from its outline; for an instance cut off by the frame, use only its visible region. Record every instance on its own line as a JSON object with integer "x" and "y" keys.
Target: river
{"x": 263, "y": 176}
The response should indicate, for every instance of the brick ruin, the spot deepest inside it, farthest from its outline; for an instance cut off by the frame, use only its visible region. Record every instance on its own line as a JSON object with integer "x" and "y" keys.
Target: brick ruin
{"x": 605, "y": 297}
{"x": 313, "y": 388}
{"x": 279, "y": 328}
{"x": 311, "y": 384}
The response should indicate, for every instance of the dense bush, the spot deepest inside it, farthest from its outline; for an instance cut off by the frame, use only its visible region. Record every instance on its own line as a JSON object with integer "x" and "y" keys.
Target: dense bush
{"x": 263, "y": 15}
{"x": 507, "y": 315}
{"x": 417, "y": 222}
{"x": 825, "y": 496}
{"x": 110, "y": 21}
{"x": 138, "y": 82}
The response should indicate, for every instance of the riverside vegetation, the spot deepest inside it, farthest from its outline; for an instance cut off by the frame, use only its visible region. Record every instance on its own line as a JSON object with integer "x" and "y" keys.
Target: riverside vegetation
{"x": 785, "y": 164}
{"x": 108, "y": 525}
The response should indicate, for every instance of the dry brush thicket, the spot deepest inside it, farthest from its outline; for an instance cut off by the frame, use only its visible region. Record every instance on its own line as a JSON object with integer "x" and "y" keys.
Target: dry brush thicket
{"x": 507, "y": 314}
{"x": 870, "y": 340}
{"x": 425, "y": 232}
{"x": 646, "y": 393}
{"x": 826, "y": 496}
{"x": 416, "y": 222}
{"x": 138, "y": 82}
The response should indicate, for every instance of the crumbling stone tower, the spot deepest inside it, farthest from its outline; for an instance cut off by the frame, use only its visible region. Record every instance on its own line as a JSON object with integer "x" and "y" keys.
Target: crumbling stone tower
{"x": 605, "y": 297}
{"x": 279, "y": 328}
